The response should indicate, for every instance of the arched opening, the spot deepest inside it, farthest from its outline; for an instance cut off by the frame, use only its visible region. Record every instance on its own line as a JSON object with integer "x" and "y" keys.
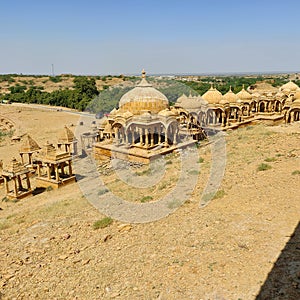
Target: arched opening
{"x": 277, "y": 106}
{"x": 261, "y": 107}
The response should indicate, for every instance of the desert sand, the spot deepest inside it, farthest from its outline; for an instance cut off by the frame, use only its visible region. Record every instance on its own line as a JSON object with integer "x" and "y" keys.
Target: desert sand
{"x": 225, "y": 250}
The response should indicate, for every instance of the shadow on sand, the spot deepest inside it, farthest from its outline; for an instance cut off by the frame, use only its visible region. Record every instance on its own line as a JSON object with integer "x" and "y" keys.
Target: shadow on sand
{"x": 283, "y": 282}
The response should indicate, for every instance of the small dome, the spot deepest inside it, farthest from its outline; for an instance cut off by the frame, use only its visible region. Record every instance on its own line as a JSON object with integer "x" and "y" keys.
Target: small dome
{"x": 256, "y": 95}
{"x": 297, "y": 94}
{"x": 279, "y": 95}
{"x": 224, "y": 101}
{"x": 230, "y": 97}
{"x": 146, "y": 116}
{"x": 127, "y": 115}
{"x": 143, "y": 94}
{"x": 244, "y": 95}
{"x": 166, "y": 113}
{"x": 288, "y": 87}
{"x": 191, "y": 103}
{"x": 212, "y": 96}
{"x": 181, "y": 98}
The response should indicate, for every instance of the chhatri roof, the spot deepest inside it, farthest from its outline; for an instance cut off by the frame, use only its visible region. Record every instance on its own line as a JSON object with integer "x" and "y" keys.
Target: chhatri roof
{"x": 29, "y": 145}
{"x": 244, "y": 95}
{"x": 289, "y": 87}
{"x": 262, "y": 88}
{"x": 181, "y": 98}
{"x": 212, "y": 96}
{"x": 66, "y": 136}
{"x": 190, "y": 102}
{"x": 143, "y": 92}
{"x": 279, "y": 95}
{"x": 166, "y": 113}
{"x": 14, "y": 168}
{"x": 230, "y": 96}
{"x": 50, "y": 154}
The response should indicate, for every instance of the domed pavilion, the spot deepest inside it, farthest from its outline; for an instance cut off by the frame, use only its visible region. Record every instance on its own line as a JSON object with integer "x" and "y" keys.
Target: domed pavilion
{"x": 142, "y": 128}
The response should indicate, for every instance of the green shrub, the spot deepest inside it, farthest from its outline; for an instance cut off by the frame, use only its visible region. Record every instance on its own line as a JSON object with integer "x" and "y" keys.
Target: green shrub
{"x": 55, "y": 79}
{"x": 193, "y": 172}
{"x": 296, "y": 172}
{"x": 270, "y": 159}
{"x": 102, "y": 192}
{"x": 201, "y": 160}
{"x": 219, "y": 194}
{"x": 211, "y": 196}
{"x": 102, "y": 223}
{"x": 263, "y": 167}
{"x": 146, "y": 199}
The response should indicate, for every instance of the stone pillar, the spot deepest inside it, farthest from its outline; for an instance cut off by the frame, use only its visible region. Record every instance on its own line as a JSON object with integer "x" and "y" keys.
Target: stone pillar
{"x": 239, "y": 115}
{"x": 125, "y": 137}
{"x": 15, "y": 187}
{"x": 132, "y": 136}
{"x": 159, "y": 134}
{"x": 292, "y": 116}
{"x": 152, "y": 137}
{"x": 56, "y": 172}
{"x": 116, "y": 135}
{"x": 22, "y": 159}
{"x": 74, "y": 147}
{"x": 223, "y": 119}
{"x": 28, "y": 181}
{"x": 62, "y": 168}
{"x": 39, "y": 170}
{"x": 227, "y": 119}
{"x": 70, "y": 168}
{"x": 30, "y": 158}
{"x": 19, "y": 182}
{"x": 175, "y": 137}
{"x": 48, "y": 171}
{"x": 141, "y": 136}
{"x": 166, "y": 138}
{"x": 6, "y": 185}
{"x": 146, "y": 138}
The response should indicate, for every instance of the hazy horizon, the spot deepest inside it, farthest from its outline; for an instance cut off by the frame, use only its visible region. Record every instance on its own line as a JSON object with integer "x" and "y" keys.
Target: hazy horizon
{"x": 162, "y": 74}
{"x": 164, "y": 37}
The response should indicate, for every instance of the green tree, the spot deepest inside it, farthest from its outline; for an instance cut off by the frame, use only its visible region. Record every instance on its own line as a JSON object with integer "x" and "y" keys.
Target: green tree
{"x": 86, "y": 86}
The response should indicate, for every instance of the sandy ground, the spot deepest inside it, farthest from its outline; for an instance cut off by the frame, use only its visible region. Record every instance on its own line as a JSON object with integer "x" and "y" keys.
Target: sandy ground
{"x": 49, "y": 249}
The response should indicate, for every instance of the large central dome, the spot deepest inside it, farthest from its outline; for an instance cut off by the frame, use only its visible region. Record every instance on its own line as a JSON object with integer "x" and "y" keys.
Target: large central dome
{"x": 143, "y": 97}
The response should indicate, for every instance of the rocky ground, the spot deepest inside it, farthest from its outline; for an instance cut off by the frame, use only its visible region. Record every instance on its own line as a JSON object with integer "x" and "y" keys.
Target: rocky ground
{"x": 229, "y": 249}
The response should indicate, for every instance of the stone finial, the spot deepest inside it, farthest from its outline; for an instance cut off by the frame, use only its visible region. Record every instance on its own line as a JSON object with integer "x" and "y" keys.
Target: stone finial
{"x": 143, "y": 73}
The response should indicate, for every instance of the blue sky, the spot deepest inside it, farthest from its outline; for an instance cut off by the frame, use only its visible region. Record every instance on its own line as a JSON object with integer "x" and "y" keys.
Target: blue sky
{"x": 122, "y": 37}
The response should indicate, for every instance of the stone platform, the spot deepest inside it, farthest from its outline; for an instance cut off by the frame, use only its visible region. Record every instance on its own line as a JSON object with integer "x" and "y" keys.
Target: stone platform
{"x": 45, "y": 182}
{"x": 135, "y": 154}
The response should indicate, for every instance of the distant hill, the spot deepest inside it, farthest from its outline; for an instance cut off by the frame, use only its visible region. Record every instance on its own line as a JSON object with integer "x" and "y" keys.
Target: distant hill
{"x": 51, "y": 83}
